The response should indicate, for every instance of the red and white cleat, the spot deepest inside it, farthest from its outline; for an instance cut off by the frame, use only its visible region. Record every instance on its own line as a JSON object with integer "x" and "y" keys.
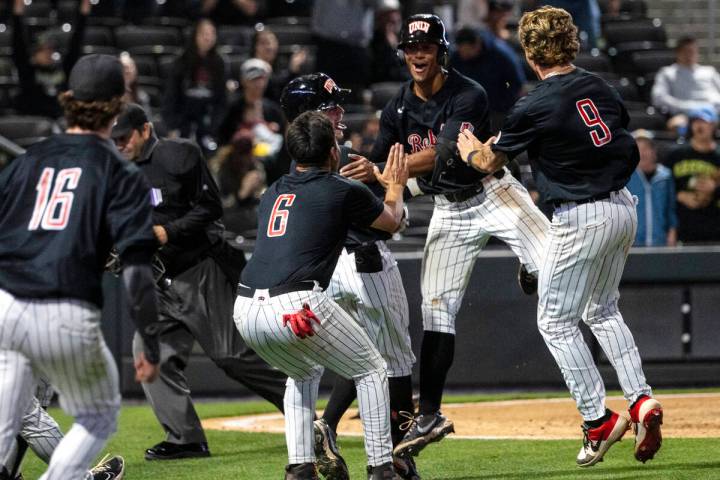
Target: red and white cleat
{"x": 647, "y": 416}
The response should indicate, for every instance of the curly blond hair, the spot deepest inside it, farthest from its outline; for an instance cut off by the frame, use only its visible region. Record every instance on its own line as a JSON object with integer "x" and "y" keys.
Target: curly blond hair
{"x": 549, "y": 37}
{"x": 90, "y": 115}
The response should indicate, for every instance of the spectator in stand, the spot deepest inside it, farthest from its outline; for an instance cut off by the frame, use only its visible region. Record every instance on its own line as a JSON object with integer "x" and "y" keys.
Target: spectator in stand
{"x": 362, "y": 142}
{"x": 499, "y": 13}
{"x": 696, "y": 169}
{"x": 654, "y": 186}
{"x": 262, "y": 116}
{"x": 233, "y": 12}
{"x": 133, "y": 92}
{"x": 686, "y": 85}
{"x": 494, "y": 65}
{"x": 265, "y": 47}
{"x": 386, "y": 66}
{"x": 241, "y": 179}
{"x": 196, "y": 93}
{"x": 40, "y": 76}
{"x": 342, "y": 34}
{"x": 472, "y": 13}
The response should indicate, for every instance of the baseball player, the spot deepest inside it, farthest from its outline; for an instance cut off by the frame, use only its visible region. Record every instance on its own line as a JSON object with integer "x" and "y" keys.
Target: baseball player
{"x": 40, "y": 433}
{"x": 574, "y": 128}
{"x": 366, "y": 284}
{"x": 425, "y": 116}
{"x": 63, "y": 204}
{"x": 197, "y": 290}
{"x": 282, "y": 310}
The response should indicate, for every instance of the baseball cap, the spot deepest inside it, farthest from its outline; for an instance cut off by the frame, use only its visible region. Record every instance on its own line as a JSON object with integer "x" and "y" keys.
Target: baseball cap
{"x": 254, "y": 68}
{"x": 132, "y": 118}
{"x": 97, "y": 77}
{"x": 706, "y": 113}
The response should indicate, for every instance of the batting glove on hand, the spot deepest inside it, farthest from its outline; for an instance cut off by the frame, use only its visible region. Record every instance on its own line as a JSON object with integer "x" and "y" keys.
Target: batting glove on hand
{"x": 301, "y": 322}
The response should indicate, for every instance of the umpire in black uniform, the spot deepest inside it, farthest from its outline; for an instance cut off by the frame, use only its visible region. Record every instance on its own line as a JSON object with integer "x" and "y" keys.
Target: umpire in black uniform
{"x": 197, "y": 290}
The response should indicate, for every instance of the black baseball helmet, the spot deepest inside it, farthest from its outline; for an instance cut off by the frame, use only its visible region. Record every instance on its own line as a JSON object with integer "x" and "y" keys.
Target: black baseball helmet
{"x": 315, "y": 91}
{"x": 423, "y": 28}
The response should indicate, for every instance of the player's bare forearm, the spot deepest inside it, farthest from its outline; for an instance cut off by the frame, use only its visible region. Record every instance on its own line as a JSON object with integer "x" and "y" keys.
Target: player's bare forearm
{"x": 421, "y": 162}
{"x": 394, "y": 202}
{"x": 394, "y": 177}
{"x": 480, "y": 155}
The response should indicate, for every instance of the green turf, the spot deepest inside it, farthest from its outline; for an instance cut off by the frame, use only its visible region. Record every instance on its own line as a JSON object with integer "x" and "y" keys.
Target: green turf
{"x": 240, "y": 456}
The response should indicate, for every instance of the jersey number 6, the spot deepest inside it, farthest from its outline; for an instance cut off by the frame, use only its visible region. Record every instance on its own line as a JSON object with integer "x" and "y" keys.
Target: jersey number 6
{"x": 590, "y": 115}
{"x": 52, "y": 212}
{"x": 279, "y": 216}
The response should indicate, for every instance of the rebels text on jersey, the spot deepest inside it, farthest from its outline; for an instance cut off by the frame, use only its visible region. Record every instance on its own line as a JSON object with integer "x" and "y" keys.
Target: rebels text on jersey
{"x": 303, "y": 221}
{"x": 63, "y": 204}
{"x": 460, "y": 104}
{"x": 574, "y": 127}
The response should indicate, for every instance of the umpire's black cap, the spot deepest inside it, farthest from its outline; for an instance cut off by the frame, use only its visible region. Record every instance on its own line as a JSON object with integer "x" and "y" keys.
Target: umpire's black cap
{"x": 97, "y": 77}
{"x": 315, "y": 91}
{"x": 132, "y": 118}
{"x": 423, "y": 28}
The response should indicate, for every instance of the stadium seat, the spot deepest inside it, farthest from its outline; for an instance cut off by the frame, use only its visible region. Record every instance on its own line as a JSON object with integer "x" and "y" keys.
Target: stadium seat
{"x": 107, "y": 50}
{"x": 650, "y": 61}
{"x": 5, "y": 35}
{"x": 234, "y": 62}
{"x": 593, "y": 62}
{"x": 146, "y": 66}
{"x": 382, "y": 93}
{"x": 273, "y": 21}
{"x": 99, "y": 36}
{"x": 129, "y": 37}
{"x": 175, "y": 22}
{"x": 622, "y": 53}
{"x": 234, "y": 35}
{"x": 38, "y": 9}
{"x": 648, "y": 120}
{"x": 26, "y": 130}
{"x": 293, "y": 34}
{"x": 627, "y": 89}
{"x": 635, "y": 31}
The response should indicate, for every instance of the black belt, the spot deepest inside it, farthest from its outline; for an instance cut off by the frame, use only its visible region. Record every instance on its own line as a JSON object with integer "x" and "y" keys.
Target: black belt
{"x": 248, "y": 292}
{"x": 462, "y": 195}
{"x": 595, "y": 198}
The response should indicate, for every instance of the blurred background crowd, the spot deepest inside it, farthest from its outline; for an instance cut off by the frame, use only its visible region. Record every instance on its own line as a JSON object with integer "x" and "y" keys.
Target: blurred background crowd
{"x": 213, "y": 70}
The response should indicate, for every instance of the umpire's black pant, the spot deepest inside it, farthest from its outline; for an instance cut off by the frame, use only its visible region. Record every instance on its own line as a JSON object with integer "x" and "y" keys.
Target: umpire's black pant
{"x": 198, "y": 305}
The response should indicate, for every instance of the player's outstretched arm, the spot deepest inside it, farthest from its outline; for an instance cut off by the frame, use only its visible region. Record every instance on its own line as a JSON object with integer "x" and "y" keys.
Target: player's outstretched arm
{"x": 394, "y": 177}
{"x": 478, "y": 155}
{"x": 360, "y": 169}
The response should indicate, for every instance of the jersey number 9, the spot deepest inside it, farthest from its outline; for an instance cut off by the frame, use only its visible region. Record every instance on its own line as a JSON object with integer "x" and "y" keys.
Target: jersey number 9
{"x": 591, "y": 117}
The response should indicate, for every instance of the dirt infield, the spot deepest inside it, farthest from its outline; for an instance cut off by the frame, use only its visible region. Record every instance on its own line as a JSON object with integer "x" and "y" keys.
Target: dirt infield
{"x": 685, "y": 416}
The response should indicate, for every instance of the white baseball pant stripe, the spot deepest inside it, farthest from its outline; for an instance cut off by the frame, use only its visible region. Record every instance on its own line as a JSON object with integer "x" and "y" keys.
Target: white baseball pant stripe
{"x": 579, "y": 278}
{"x": 61, "y": 340}
{"x": 377, "y": 301}
{"x": 457, "y": 233}
{"x": 339, "y": 344}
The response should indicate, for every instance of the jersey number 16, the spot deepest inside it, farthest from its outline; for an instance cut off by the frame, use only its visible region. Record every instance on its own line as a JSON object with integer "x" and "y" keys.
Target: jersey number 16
{"x": 590, "y": 115}
{"x": 52, "y": 211}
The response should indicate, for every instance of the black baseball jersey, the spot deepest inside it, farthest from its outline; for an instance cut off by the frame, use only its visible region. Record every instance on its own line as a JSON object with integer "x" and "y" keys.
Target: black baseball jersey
{"x": 460, "y": 104}
{"x": 63, "y": 204}
{"x": 574, "y": 129}
{"x": 303, "y": 221}
{"x": 357, "y": 235}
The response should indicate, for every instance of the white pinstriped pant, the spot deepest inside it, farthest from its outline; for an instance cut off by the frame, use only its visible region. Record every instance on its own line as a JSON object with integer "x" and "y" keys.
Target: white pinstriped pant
{"x": 61, "y": 340}
{"x": 457, "y": 233}
{"x": 338, "y": 344}
{"x": 579, "y": 278}
{"x": 378, "y": 303}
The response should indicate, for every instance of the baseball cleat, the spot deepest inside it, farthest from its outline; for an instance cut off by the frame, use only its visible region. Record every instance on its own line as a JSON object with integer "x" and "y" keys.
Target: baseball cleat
{"x": 423, "y": 430}
{"x": 597, "y": 441}
{"x": 331, "y": 464}
{"x": 405, "y": 467}
{"x": 527, "y": 281}
{"x": 646, "y": 416}
{"x": 109, "y": 468}
{"x": 381, "y": 472}
{"x": 301, "y": 471}
{"x": 174, "y": 451}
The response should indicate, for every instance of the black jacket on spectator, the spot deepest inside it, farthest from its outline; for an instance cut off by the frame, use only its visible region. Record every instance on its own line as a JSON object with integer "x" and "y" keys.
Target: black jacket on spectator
{"x": 40, "y": 86}
{"x": 186, "y": 201}
{"x": 386, "y": 66}
{"x": 195, "y": 93}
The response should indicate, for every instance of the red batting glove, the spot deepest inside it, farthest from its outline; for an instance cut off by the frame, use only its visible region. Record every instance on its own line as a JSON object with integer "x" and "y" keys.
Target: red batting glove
{"x": 301, "y": 322}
